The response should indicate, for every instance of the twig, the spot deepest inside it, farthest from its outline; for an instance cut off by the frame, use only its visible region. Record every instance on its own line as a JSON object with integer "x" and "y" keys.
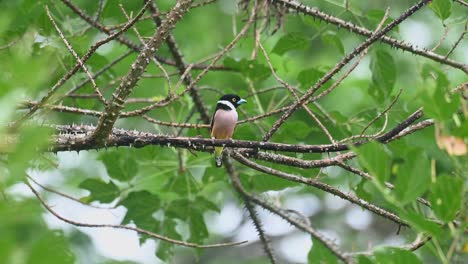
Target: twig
{"x": 204, "y": 3}
{"x": 319, "y": 185}
{"x": 261, "y": 233}
{"x": 236, "y": 183}
{"x": 444, "y": 36}
{"x": 301, "y": 8}
{"x": 136, "y": 229}
{"x": 373, "y": 38}
{"x": 123, "y": 40}
{"x": 296, "y": 162}
{"x": 165, "y": 74}
{"x": 98, "y": 73}
{"x": 77, "y": 66}
{"x": 66, "y": 195}
{"x": 80, "y": 62}
{"x": 462, "y": 35}
{"x": 8, "y": 45}
{"x": 461, "y": 2}
{"x": 355, "y": 64}
{"x": 382, "y": 113}
{"x": 296, "y": 97}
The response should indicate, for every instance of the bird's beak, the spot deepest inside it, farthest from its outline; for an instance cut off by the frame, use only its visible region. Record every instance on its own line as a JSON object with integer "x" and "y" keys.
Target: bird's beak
{"x": 241, "y": 101}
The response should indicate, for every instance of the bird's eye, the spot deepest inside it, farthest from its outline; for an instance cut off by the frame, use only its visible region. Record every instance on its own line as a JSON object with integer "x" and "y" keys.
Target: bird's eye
{"x": 234, "y": 100}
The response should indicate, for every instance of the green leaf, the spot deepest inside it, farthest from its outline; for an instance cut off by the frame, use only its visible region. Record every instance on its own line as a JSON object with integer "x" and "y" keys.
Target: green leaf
{"x": 100, "y": 191}
{"x": 361, "y": 259}
{"x": 419, "y": 222}
{"x": 51, "y": 248}
{"x": 166, "y": 250}
{"x": 140, "y": 205}
{"x": 437, "y": 103}
{"x": 32, "y": 141}
{"x": 375, "y": 159}
{"x": 375, "y": 16}
{"x": 446, "y": 197}
{"x": 309, "y": 77}
{"x": 198, "y": 229}
{"x": 203, "y": 203}
{"x": 249, "y": 68}
{"x": 120, "y": 164}
{"x": 361, "y": 192}
{"x": 384, "y": 75}
{"x": 413, "y": 177}
{"x": 390, "y": 255}
{"x": 442, "y": 8}
{"x": 330, "y": 38}
{"x": 319, "y": 254}
{"x": 291, "y": 41}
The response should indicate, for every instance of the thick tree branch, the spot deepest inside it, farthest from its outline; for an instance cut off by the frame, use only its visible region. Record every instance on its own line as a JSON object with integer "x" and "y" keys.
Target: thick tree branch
{"x": 107, "y": 120}
{"x": 74, "y": 138}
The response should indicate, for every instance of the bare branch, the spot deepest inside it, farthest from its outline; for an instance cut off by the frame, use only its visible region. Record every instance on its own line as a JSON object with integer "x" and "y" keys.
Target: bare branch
{"x": 320, "y": 185}
{"x": 261, "y": 233}
{"x": 136, "y": 229}
{"x": 301, "y": 8}
{"x": 373, "y": 38}
{"x": 236, "y": 183}
{"x": 81, "y": 63}
{"x": 77, "y": 66}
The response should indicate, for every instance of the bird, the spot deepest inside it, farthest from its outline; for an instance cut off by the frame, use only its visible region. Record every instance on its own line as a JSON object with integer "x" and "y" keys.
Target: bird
{"x": 224, "y": 121}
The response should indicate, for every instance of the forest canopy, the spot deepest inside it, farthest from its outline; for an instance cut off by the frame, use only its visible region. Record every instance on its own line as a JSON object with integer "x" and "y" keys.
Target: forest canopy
{"x": 351, "y": 147}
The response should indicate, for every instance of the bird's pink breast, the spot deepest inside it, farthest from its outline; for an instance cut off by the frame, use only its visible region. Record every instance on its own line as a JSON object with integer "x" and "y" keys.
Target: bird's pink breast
{"x": 224, "y": 124}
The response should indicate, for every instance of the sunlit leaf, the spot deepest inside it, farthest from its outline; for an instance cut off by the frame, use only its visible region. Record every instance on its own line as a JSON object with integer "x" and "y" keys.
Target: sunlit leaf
{"x": 442, "y": 8}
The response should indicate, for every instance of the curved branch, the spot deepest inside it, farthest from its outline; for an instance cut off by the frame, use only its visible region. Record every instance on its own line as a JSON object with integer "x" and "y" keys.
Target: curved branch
{"x": 319, "y": 185}
{"x": 300, "y": 224}
{"x": 136, "y": 229}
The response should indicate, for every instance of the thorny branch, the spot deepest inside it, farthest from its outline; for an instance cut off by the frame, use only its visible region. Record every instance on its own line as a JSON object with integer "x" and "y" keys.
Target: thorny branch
{"x": 304, "y": 9}
{"x": 372, "y": 39}
{"x": 107, "y": 120}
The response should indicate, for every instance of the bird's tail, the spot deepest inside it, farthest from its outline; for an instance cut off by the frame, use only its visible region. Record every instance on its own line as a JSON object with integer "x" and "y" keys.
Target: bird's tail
{"x": 219, "y": 156}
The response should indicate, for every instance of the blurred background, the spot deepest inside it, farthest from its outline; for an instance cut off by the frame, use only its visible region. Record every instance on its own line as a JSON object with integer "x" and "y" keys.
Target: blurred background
{"x": 187, "y": 183}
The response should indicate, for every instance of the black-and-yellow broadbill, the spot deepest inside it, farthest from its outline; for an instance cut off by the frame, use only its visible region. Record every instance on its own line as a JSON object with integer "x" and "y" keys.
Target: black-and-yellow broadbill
{"x": 224, "y": 121}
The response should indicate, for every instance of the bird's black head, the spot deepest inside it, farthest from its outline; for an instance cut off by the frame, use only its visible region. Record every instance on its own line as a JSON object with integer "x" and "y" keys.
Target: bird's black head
{"x": 234, "y": 99}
